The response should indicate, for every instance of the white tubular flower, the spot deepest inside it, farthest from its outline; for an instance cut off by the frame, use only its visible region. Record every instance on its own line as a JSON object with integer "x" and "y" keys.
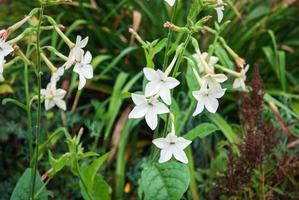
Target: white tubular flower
{"x": 2, "y": 62}
{"x": 219, "y": 11}
{"x": 170, "y": 2}
{"x": 148, "y": 108}
{"x": 77, "y": 52}
{"x": 214, "y": 80}
{"x": 213, "y": 60}
{"x": 56, "y": 75}
{"x": 159, "y": 83}
{"x": 240, "y": 81}
{"x": 5, "y": 49}
{"x": 207, "y": 98}
{"x": 172, "y": 146}
{"x": 84, "y": 69}
{"x": 53, "y": 97}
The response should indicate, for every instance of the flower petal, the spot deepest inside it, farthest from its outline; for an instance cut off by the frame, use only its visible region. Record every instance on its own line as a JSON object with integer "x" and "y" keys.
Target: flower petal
{"x": 220, "y": 78}
{"x": 87, "y": 71}
{"x": 159, "y": 108}
{"x": 180, "y": 155}
{"x": 216, "y": 92}
{"x": 87, "y": 57}
{"x": 60, "y": 104}
{"x": 82, "y": 82}
{"x": 138, "y": 99}
{"x": 138, "y": 112}
{"x": 49, "y": 104}
{"x": 237, "y": 83}
{"x": 81, "y": 44}
{"x": 171, "y": 82}
{"x": 150, "y": 74}
{"x": 151, "y": 119}
{"x": 165, "y": 95}
{"x": 170, "y": 2}
{"x": 212, "y": 105}
{"x": 161, "y": 143}
{"x": 199, "y": 108}
{"x": 60, "y": 93}
{"x": 165, "y": 155}
{"x": 152, "y": 88}
{"x": 219, "y": 14}
{"x": 182, "y": 143}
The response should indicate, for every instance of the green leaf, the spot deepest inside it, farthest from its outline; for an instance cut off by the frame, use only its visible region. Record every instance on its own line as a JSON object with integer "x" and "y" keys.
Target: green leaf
{"x": 22, "y": 189}
{"x": 201, "y": 131}
{"x": 57, "y": 164}
{"x": 167, "y": 181}
{"x": 226, "y": 129}
{"x": 95, "y": 184}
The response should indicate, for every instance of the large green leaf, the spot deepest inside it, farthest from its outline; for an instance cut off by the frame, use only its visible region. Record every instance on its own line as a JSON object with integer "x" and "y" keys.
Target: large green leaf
{"x": 167, "y": 181}
{"x": 94, "y": 186}
{"x": 22, "y": 189}
{"x": 201, "y": 131}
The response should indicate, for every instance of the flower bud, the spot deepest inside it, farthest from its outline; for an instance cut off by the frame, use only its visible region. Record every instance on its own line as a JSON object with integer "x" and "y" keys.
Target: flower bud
{"x": 175, "y": 28}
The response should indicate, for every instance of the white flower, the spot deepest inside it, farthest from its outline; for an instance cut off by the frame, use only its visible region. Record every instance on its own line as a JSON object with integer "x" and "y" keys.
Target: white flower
{"x": 172, "y": 146}
{"x": 5, "y": 49}
{"x": 148, "y": 108}
{"x": 207, "y": 98}
{"x": 214, "y": 80}
{"x": 76, "y": 53}
{"x": 159, "y": 83}
{"x": 2, "y": 62}
{"x": 53, "y": 97}
{"x": 240, "y": 81}
{"x": 213, "y": 60}
{"x": 84, "y": 69}
{"x": 219, "y": 11}
{"x": 56, "y": 75}
{"x": 170, "y": 2}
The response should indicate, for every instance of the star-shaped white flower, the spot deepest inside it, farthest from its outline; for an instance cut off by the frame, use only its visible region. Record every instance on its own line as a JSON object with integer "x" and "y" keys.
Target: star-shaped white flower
{"x": 219, "y": 11}
{"x": 148, "y": 108}
{"x": 214, "y": 80}
{"x": 84, "y": 69}
{"x": 2, "y": 62}
{"x": 240, "y": 81}
{"x": 207, "y": 98}
{"x": 5, "y": 49}
{"x": 213, "y": 60}
{"x": 170, "y": 2}
{"x": 77, "y": 52}
{"x": 172, "y": 146}
{"x": 159, "y": 83}
{"x": 53, "y": 97}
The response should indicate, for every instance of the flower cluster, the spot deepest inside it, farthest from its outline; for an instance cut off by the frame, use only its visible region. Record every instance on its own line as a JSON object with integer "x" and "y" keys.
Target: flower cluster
{"x": 82, "y": 66}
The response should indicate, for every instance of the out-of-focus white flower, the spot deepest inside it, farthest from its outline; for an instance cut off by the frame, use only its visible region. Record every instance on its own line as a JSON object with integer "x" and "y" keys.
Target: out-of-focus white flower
{"x": 213, "y": 60}
{"x": 84, "y": 69}
{"x": 53, "y": 97}
{"x": 214, "y": 80}
{"x": 56, "y": 75}
{"x": 219, "y": 10}
{"x": 77, "y": 52}
{"x": 170, "y": 2}
{"x": 159, "y": 83}
{"x": 172, "y": 146}
{"x": 2, "y": 62}
{"x": 5, "y": 49}
{"x": 207, "y": 97}
{"x": 240, "y": 81}
{"x": 148, "y": 108}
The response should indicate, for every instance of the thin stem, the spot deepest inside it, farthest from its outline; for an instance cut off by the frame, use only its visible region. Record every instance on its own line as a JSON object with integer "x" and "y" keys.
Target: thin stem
{"x": 169, "y": 37}
{"x": 38, "y": 123}
{"x": 28, "y": 107}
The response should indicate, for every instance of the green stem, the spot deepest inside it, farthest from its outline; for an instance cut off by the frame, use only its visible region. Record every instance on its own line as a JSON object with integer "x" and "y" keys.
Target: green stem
{"x": 28, "y": 108}
{"x": 38, "y": 123}
{"x": 169, "y": 37}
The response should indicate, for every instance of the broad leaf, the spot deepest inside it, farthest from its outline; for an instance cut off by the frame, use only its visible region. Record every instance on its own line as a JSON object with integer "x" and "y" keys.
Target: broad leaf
{"x": 201, "y": 131}
{"x": 167, "y": 181}
{"x": 22, "y": 189}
